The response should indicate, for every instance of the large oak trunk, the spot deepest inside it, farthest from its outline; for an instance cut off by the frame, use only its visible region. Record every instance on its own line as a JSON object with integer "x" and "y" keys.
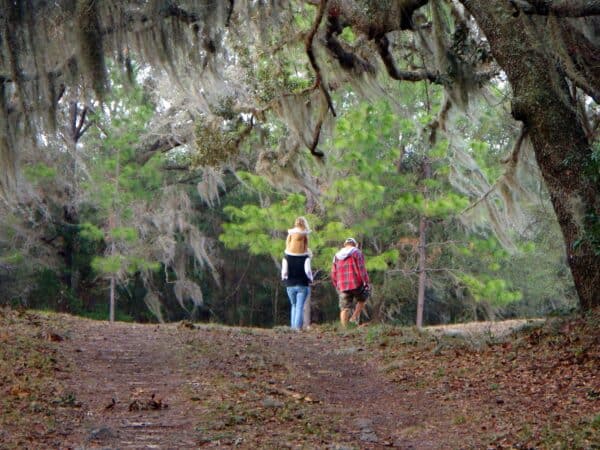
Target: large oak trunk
{"x": 543, "y": 102}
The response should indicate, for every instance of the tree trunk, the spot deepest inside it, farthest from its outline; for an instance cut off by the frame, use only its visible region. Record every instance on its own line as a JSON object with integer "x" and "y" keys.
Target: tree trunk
{"x": 112, "y": 224}
{"x": 274, "y": 309}
{"x": 76, "y": 129}
{"x": 306, "y": 311}
{"x": 422, "y": 273}
{"x": 542, "y": 101}
{"x": 423, "y": 249}
{"x": 111, "y": 314}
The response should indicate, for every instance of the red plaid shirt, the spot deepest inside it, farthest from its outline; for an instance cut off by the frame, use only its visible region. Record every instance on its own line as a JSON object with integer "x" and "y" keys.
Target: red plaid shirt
{"x": 349, "y": 273}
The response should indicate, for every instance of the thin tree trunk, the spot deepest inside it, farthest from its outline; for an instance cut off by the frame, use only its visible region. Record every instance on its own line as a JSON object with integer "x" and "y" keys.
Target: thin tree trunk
{"x": 111, "y": 314}
{"x": 112, "y": 223}
{"x": 422, "y": 273}
{"x": 77, "y": 128}
{"x": 252, "y": 306}
{"x": 275, "y": 307}
{"x": 306, "y": 311}
{"x": 423, "y": 251}
{"x": 275, "y": 304}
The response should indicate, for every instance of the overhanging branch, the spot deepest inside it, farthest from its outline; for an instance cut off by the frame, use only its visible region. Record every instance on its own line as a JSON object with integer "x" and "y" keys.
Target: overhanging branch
{"x": 403, "y": 75}
{"x": 311, "y": 55}
{"x": 161, "y": 145}
{"x": 570, "y": 8}
{"x": 315, "y": 140}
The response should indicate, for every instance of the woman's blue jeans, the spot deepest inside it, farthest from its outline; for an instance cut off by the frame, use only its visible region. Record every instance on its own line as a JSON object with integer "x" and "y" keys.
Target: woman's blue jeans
{"x": 297, "y": 296}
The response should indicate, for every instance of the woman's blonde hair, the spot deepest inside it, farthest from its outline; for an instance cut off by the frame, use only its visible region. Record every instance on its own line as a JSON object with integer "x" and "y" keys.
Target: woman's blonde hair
{"x": 301, "y": 222}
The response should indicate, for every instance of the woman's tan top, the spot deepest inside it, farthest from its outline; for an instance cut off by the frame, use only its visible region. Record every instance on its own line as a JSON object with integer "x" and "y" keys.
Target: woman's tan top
{"x": 296, "y": 242}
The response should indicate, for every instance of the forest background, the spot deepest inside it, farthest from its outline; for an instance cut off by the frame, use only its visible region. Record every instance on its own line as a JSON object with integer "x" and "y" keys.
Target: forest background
{"x": 149, "y": 199}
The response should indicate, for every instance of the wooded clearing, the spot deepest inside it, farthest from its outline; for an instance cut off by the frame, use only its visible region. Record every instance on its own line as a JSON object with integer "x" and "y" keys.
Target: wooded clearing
{"x": 155, "y": 153}
{"x": 156, "y": 156}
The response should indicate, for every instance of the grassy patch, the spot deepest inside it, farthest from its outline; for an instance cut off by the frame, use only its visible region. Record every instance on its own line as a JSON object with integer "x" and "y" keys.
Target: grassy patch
{"x": 585, "y": 435}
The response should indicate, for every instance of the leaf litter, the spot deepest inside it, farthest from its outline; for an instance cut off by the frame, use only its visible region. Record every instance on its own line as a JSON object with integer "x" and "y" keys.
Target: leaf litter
{"x": 173, "y": 386}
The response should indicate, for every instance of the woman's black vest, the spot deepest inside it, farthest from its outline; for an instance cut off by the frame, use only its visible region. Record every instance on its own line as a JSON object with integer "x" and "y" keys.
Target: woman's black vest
{"x": 296, "y": 274}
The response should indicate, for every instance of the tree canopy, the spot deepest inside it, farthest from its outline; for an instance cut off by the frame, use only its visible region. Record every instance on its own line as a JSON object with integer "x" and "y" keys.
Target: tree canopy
{"x": 273, "y": 73}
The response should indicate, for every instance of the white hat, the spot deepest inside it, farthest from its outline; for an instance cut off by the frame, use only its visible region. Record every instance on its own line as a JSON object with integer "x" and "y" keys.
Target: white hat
{"x": 351, "y": 241}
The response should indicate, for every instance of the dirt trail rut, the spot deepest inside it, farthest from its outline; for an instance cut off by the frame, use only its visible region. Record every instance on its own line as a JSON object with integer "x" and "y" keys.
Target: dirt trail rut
{"x": 172, "y": 387}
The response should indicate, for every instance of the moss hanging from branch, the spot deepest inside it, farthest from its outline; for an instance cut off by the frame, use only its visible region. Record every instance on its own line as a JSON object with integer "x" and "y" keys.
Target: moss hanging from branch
{"x": 91, "y": 50}
{"x": 8, "y": 156}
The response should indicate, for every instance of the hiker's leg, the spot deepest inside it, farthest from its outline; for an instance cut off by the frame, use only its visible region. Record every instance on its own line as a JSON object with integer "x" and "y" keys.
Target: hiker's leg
{"x": 291, "y": 292}
{"x": 345, "y": 316}
{"x": 301, "y": 295}
{"x": 359, "y": 307}
{"x": 345, "y": 307}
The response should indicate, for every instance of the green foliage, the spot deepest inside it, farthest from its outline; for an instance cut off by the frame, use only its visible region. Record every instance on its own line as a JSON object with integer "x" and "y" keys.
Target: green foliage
{"x": 117, "y": 179}
{"x": 538, "y": 270}
{"x": 481, "y": 154}
{"x": 347, "y": 35}
{"x": 255, "y": 182}
{"x": 377, "y": 194}
{"x": 214, "y": 146}
{"x": 39, "y": 172}
{"x": 137, "y": 264}
{"x": 304, "y": 17}
{"x": 108, "y": 265}
{"x": 356, "y": 195}
{"x": 372, "y": 186}
{"x": 91, "y": 232}
{"x": 592, "y": 218}
{"x": 13, "y": 258}
{"x": 48, "y": 293}
{"x": 439, "y": 150}
{"x": 100, "y": 312}
{"x": 272, "y": 73}
{"x": 113, "y": 264}
{"x": 382, "y": 261}
{"x": 127, "y": 234}
{"x": 493, "y": 291}
{"x": 262, "y": 229}
{"x": 445, "y": 206}
{"x": 117, "y": 184}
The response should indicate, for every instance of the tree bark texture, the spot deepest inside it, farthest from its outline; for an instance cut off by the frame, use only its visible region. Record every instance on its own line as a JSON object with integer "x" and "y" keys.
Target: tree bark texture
{"x": 422, "y": 273}
{"x": 111, "y": 312}
{"x": 306, "y": 311}
{"x": 423, "y": 251}
{"x": 541, "y": 100}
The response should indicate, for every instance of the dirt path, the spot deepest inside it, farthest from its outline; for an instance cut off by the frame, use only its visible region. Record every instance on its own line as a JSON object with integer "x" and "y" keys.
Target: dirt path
{"x": 127, "y": 364}
{"x": 177, "y": 387}
{"x": 71, "y": 383}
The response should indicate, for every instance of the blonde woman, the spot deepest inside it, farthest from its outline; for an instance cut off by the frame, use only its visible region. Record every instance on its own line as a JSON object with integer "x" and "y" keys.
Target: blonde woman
{"x": 296, "y": 272}
{"x": 296, "y": 243}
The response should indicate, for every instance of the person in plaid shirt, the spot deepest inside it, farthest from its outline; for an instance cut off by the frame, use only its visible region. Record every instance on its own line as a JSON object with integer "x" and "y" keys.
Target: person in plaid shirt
{"x": 350, "y": 278}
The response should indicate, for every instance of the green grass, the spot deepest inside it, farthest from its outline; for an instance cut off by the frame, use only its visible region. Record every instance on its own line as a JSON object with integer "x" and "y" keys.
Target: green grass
{"x": 584, "y": 435}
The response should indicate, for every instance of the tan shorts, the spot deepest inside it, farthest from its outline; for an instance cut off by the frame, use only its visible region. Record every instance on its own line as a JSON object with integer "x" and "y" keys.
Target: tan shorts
{"x": 347, "y": 298}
